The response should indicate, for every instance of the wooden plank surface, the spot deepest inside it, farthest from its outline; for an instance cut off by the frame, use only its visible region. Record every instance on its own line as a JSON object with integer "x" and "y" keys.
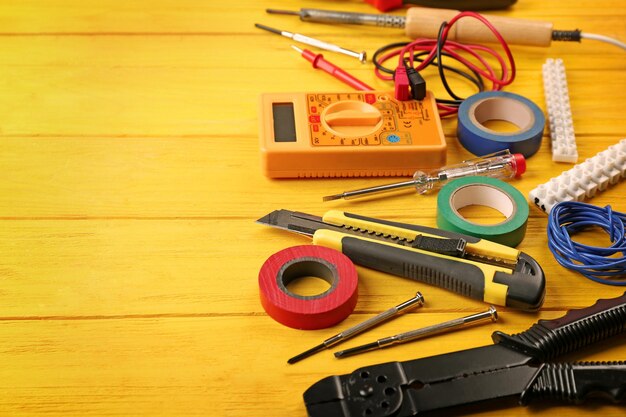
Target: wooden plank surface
{"x": 131, "y": 181}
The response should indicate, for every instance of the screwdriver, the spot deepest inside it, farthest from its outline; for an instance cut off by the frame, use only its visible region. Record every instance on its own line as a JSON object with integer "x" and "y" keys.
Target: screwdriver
{"x": 425, "y": 22}
{"x": 319, "y": 62}
{"x": 489, "y": 315}
{"x": 502, "y": 164}
{"x": 361, "y": 56}
{"x": 412, "y": 303}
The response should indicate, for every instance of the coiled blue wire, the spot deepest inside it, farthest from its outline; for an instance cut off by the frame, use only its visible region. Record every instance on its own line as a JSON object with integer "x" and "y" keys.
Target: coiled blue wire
{"x": 596, "y": 263}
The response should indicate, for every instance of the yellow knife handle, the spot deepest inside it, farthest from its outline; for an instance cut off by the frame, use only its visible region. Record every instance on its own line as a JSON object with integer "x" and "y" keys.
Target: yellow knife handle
{"x": 407, "y": 231}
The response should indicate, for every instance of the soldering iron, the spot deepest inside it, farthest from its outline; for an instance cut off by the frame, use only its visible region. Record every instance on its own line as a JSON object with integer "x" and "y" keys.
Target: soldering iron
{"x": 425, "y": 22}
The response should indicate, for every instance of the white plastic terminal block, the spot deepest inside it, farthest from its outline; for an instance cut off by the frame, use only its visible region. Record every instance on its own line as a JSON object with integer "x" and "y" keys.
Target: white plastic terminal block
{"x": 559, "y": 112}
{"x": 584, "y": 180}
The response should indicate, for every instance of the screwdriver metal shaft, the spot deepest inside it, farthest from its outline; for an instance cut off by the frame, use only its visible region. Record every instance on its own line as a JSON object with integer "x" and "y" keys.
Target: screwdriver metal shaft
{"x": 378, "y": 189}
{"x": 414, "y": 302}
{"x": 490, "y": 314}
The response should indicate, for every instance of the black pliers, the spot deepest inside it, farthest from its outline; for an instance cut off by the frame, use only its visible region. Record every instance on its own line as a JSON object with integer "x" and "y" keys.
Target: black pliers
{"x": 515, "y": 367}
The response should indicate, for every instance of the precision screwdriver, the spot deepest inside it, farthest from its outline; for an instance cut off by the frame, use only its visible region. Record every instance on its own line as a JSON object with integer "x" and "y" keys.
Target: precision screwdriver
{"x": 491, "y": 314}
{"x": 502, "y": 164}
{"x": 414, "y": 302}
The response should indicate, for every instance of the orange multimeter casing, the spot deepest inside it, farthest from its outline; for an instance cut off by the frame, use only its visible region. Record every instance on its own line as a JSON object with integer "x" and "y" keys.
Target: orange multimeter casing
{"x": 356, "y": 134}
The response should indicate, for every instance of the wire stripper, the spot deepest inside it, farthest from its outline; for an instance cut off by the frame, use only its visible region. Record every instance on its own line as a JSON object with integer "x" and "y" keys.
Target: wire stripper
{"x": 516, "y": 367}
{"x": 473, "y": 267}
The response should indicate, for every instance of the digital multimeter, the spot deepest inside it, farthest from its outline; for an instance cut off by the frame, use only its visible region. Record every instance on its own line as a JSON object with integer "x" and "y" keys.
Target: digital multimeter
{"x": 356, "y": 134}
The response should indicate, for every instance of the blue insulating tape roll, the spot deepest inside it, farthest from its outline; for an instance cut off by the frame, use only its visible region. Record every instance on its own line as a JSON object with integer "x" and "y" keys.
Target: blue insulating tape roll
{"x": 499, "y": 105}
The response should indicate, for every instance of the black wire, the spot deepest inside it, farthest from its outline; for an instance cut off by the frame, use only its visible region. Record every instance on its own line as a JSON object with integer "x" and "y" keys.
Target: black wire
{"x": 440, "y": 41}
{"x": 383, "y": 49}
{"x": 476, "y": 79}
{"x": 473, "y": 76}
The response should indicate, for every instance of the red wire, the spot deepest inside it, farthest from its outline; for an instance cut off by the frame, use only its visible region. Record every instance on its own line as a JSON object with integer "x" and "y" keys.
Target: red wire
{"x": 475, "y": 62}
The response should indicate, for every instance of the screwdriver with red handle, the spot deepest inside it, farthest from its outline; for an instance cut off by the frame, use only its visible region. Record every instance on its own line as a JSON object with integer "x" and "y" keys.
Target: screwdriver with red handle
{"x": 319, "y": 62}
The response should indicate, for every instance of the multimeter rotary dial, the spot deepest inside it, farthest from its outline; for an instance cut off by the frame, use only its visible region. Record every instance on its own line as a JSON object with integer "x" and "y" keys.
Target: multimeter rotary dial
{"x": 351, "y": 119}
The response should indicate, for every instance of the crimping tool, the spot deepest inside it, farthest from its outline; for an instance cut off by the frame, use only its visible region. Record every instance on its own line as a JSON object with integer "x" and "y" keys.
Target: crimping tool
{"x": 467, "y": 265}
{"x": 514, "y": 367}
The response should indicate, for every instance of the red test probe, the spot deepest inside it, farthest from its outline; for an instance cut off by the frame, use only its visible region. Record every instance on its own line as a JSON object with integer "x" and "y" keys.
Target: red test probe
{"x": 319, "y": 62}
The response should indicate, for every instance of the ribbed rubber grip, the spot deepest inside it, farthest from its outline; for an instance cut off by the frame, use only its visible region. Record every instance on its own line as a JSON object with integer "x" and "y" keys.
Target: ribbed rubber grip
{"x": 574, "y": 382}
{"x": 566, "y": 35}
{"x": 460, "y": 277}
{"x": 548, "y": 339}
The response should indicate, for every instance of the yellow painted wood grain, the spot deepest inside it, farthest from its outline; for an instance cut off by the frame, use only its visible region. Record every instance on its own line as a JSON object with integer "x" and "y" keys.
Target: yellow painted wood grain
{"x": 130, "y": 182}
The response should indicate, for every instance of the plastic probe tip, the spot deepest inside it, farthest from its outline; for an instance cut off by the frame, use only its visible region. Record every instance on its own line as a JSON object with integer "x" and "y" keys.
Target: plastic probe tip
{"x": 520, "y": 164}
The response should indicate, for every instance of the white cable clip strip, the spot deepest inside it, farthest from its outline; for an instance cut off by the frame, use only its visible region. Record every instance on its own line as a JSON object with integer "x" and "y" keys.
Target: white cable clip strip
{"x": 584, "y": 180}
{"x": 559, "y": 112}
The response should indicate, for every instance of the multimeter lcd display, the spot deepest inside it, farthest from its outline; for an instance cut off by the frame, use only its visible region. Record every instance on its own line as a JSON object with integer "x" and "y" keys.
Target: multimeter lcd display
{"x": 284, "y": 122}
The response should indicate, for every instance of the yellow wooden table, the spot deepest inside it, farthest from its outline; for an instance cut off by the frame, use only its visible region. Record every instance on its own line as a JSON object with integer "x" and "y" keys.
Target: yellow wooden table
{"x": 130, "y": 182}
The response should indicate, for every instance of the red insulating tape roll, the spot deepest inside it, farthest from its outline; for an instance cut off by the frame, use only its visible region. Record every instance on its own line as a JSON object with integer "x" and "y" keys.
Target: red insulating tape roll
{"x": 308, "y": 312}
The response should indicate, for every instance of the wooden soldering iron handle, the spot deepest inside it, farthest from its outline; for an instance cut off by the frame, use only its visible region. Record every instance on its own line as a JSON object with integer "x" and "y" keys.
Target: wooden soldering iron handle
{"x": 425, "y": 23}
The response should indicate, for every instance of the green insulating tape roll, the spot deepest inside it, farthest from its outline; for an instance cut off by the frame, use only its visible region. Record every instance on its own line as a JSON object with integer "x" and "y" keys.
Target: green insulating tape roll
{"x": 483, "y": 191}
